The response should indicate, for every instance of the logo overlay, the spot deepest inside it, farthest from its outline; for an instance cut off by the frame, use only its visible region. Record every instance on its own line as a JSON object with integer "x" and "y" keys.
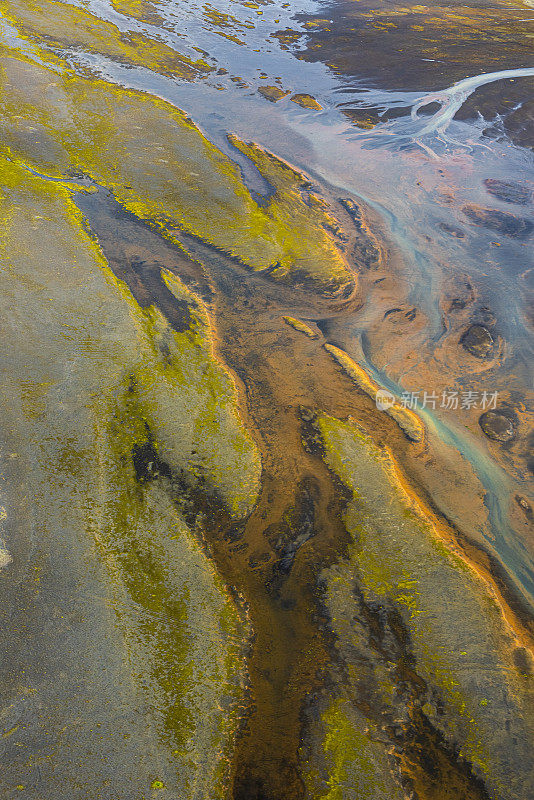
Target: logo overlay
{"x": 384, "y": 399}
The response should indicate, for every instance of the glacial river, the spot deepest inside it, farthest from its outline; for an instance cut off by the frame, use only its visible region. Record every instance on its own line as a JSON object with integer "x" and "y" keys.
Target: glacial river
{"x": 227, "y": 572}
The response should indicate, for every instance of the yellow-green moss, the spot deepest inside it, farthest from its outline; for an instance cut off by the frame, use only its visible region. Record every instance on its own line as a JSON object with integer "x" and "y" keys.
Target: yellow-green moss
{"x": 345, "y": 744}
{"x": 164, "y": 170}
{"x": 61, "y": 25}
{"x": 272, "y": 93}
{"x": 193, "y": 403}
{"x": 306, "y": 101}
{"x": 141, "y": 10}
{"x": 301, "y": 327}
{"x": 398, "y": 558}
{"x": 183, "y": 633}
{"x": 84, "y": 381}
{"x": 356, "y": 767}
{"x": 306, "y": 245}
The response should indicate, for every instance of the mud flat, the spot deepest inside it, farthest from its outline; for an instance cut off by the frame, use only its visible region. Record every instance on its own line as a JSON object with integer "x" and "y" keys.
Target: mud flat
{"x": 413, "y": 47}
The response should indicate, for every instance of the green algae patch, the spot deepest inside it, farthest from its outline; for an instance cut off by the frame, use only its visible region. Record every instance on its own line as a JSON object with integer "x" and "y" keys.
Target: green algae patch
{"x": 86, "y": 381}
{"x": 60, "y": 25}
{"x": 300, "y": 326}
{"x": 161, "y": 168}
{"x": 460, "y": 644}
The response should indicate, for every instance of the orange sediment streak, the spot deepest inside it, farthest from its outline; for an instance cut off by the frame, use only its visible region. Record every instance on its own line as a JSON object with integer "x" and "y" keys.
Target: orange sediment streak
{"x": 404, "y": 417}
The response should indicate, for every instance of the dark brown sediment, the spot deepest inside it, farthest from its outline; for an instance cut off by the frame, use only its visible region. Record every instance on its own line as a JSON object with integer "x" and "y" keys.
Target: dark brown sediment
{"x": 414, "y": 47}
{"x": 272, "y": 559}
{"x": 419, "y": 43}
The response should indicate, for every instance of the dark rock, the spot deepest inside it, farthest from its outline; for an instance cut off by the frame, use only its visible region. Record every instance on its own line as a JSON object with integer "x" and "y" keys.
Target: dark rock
{"x": 500, "y": 221}
{"x": 478, "y": 341}
{"x": 525, "y": 506}
{"x": 297, "y": 527}
{"x": 451, "y": 230}
{"x": 77, "y": 174}
{"x": 392, "y": 311}
{"x": 464, "y": 295}
{"x": 307, "y": 414}
{"x": 486, "y": 317}
{"x": 496, "y": 426}
{"x": 234, "y": 534}
{"x": 508, "y": 191}
{"x": 147, "y": 463}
